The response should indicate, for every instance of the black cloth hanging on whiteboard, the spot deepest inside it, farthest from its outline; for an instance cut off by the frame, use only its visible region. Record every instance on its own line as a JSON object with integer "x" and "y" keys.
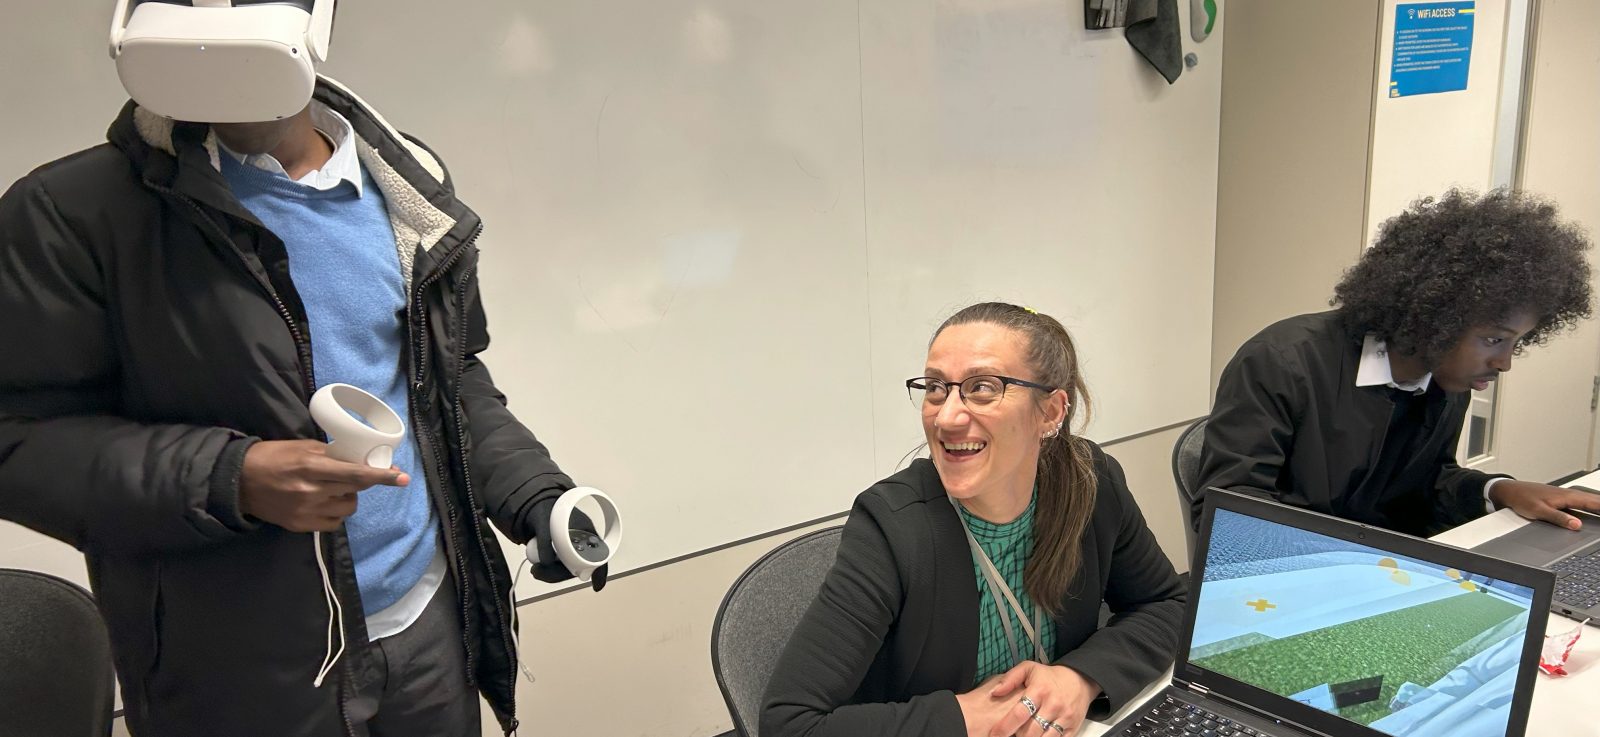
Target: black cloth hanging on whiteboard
{"x": 1153, "y": 32}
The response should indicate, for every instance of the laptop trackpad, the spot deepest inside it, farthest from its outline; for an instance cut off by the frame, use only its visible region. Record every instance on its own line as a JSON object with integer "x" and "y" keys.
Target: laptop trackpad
{"x": 1541, "y": 543}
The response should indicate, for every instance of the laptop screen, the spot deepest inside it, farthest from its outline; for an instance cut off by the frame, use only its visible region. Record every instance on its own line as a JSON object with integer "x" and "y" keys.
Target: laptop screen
{"x": 1401, "y": 645}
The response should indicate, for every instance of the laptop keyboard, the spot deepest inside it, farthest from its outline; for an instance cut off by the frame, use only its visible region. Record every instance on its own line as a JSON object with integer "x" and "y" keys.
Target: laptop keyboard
{"x": 1578, "y": 580}
{"x": 1174, "y": 718}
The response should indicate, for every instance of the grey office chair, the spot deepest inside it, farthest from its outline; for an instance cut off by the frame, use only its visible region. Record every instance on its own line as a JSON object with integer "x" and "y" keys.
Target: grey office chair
{"x": 757, "y": 615}
{"x": 1186, "y": 474}
{"x": 55, "y": 659}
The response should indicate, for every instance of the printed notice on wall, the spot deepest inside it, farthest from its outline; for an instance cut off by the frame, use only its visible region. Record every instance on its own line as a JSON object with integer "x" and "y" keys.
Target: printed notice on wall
{"x": 1432, "y": 48}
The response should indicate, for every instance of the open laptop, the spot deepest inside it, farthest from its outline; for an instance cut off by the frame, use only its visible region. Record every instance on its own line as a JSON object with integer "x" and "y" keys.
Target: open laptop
{"x": 1299, "y": 623}
{"x": 1574, "y": 556}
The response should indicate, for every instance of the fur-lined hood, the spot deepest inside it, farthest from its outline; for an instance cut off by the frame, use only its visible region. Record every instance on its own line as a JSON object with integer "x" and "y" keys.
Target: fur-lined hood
{"x": 415, "y": 184}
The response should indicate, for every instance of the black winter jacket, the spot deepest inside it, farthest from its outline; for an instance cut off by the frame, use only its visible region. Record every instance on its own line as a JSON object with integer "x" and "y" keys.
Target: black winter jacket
{"x": 157, "y": 336}
{"x": 1290, "y": 423}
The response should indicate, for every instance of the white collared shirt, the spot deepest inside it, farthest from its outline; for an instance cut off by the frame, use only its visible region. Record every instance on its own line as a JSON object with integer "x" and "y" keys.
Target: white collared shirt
{"x": 343, "y": 166}
{"x": 1375, "y": 370}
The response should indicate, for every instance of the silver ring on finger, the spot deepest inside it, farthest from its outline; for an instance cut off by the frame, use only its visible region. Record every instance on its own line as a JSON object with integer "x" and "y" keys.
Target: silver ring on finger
{"x": 1044, "y": 724}
{"x": 1058, "y": 728}
{"x": 1033, "y": 709}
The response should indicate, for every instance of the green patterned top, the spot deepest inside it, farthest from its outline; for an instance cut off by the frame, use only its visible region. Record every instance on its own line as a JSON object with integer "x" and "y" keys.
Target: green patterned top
{"x": 1008, "y": 547}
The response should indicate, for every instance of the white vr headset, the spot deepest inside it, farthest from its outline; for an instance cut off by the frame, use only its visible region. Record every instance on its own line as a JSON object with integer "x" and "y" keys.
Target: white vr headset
{"x": 221, "y": 61}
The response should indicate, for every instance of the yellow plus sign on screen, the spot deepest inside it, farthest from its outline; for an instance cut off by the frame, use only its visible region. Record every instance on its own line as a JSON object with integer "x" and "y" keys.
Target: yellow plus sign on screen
{"x": 1261, "y": 605}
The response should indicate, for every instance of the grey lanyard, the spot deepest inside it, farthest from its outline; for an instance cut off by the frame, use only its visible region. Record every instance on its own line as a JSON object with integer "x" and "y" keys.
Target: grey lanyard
{"x": 997, "y": 589}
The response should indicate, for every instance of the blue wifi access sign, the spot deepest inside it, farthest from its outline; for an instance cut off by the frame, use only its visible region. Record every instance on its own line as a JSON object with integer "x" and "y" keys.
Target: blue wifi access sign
{"x": 1432, "y": 48}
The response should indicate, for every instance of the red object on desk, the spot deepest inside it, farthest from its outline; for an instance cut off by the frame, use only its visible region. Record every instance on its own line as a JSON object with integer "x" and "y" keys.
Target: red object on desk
{"x": 1557, "y": 648}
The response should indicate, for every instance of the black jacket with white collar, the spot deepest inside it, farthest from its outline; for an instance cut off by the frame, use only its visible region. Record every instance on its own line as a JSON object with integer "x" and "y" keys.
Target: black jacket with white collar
{"x": 1290, "y": 423}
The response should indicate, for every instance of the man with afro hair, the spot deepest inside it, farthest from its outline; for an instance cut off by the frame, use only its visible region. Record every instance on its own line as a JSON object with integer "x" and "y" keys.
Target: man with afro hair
{"x": 1356, "y": 412}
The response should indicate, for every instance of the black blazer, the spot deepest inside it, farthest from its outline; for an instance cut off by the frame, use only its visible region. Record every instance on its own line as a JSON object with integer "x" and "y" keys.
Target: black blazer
{"x": 1290, "y": 423}
{"x": 893, "y": 634}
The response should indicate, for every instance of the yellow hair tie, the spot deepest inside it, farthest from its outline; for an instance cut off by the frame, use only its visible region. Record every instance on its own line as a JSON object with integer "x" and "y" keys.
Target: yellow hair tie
{"x": 1030, "y": 310}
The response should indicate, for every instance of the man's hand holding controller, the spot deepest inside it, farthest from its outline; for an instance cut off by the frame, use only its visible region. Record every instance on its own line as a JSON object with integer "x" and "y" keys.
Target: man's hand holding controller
{"x": 296, "y": 485}
{"x": 311, "y": 486}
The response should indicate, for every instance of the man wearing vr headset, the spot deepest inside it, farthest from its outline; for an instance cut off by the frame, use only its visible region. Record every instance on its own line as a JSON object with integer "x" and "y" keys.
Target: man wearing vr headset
{"x": 249, "y": 233}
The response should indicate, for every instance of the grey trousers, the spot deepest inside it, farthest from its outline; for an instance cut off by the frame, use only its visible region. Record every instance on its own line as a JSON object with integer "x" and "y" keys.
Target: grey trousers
{"x": 420, "y": 687}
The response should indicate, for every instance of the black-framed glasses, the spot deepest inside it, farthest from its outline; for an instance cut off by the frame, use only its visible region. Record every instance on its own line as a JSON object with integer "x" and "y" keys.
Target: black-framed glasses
{"x": 977, "y": 392}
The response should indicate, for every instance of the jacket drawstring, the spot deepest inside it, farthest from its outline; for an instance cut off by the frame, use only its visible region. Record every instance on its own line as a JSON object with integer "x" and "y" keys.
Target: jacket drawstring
{"x": 335, "y": 615}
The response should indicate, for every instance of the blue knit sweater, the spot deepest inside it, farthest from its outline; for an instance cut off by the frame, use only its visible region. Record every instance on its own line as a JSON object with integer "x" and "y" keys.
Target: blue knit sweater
{"x": 343, "y": 262}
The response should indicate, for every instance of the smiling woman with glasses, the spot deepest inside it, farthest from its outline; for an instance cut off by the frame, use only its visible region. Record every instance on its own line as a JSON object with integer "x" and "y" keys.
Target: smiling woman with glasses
{"x": 965, "y": 597}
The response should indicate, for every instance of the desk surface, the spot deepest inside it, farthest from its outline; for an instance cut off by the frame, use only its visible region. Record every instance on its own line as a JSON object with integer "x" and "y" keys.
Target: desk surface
{"x": 1562, "y": 707}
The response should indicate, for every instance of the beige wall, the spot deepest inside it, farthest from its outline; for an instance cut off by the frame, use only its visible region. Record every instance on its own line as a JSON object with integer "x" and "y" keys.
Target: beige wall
{"x": 1544, "y": 428}
{"x": 1148, "y": 463}
{"x": 649, "y": 636}
{"x": 1297, "y": 87}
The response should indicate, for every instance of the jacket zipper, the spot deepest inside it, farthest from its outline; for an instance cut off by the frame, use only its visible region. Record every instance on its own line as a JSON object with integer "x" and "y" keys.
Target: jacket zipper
{"x": 419, "y": 349}
{"x": 463, "y": 595}
{"x": 466, "y": 473}
{"x": 507, "y": 619}
{"x": 302, "y": 355}
{"x": 301, "y": 346}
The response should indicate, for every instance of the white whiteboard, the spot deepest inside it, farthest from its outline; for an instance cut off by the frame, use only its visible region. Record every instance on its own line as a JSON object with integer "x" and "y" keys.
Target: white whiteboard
{"x": 718, "y": 233}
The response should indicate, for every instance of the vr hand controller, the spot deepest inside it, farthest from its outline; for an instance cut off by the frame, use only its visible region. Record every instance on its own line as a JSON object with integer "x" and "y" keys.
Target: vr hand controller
{"x": 351, "y": 440}
{"x": 581, "y": 551}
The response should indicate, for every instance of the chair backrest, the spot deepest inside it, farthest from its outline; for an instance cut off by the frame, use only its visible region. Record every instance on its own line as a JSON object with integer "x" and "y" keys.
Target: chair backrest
{"x": 757, "y": 616}
{"x": 55, "y": 659}
{"x": 1186, "y": 474}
